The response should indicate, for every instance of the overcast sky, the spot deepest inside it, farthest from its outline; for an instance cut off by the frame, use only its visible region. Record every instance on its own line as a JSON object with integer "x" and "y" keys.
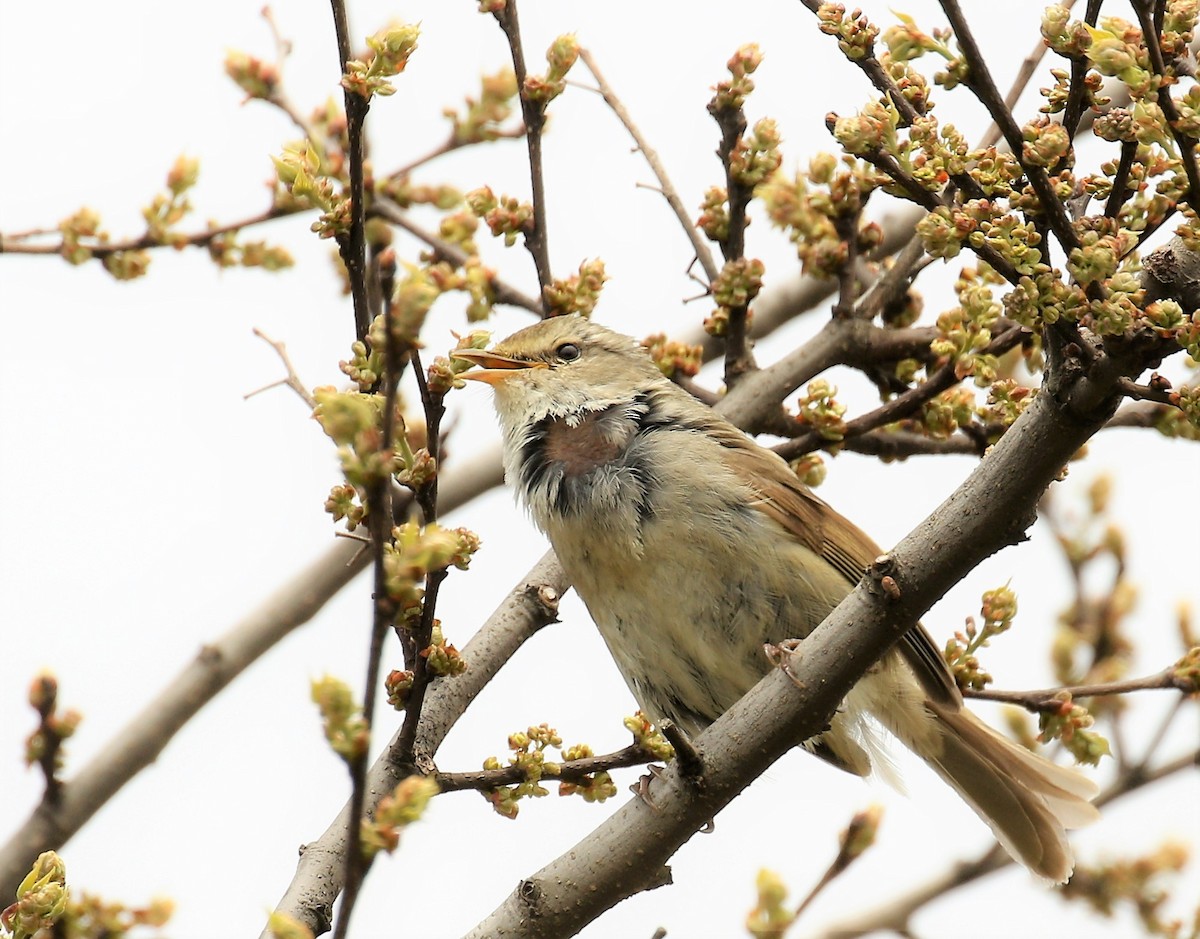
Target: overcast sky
{"x": 149, "y": 506}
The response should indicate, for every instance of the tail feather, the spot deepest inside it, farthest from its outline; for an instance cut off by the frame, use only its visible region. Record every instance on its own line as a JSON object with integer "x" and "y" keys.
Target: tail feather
{"x": 1027, "y": 801}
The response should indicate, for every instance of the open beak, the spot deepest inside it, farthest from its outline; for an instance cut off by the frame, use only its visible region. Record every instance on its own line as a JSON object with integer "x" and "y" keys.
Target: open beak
{"x": 493, "y": 368}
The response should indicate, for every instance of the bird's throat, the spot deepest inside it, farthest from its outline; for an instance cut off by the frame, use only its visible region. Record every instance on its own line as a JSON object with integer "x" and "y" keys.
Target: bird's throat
{"x": 580, "y": 444}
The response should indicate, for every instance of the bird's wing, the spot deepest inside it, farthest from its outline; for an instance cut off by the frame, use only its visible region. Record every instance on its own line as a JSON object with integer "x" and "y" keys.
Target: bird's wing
{"x": 842, "y": 544}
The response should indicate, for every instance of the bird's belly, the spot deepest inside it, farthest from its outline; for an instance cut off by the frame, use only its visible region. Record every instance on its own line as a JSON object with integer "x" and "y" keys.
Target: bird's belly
{"x": 685, "y": 613}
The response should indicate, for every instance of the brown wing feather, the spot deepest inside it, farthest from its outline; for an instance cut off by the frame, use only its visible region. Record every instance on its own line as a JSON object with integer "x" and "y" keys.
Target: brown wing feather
{"x": 845, "y": 546}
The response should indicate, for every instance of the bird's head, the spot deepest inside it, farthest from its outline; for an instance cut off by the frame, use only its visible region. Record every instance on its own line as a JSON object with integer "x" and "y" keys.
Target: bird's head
{"x": 560, "y": 367}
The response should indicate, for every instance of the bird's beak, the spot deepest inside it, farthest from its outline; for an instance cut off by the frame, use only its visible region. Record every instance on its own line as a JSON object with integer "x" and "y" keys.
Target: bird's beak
{"x": 493, "y": 368}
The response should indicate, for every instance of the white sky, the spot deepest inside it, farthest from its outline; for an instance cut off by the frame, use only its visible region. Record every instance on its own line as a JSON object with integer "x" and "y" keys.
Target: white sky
{"x": 150, "y": 506}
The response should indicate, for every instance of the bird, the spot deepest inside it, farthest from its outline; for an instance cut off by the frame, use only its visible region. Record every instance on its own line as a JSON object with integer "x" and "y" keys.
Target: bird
{"x": 691, "y": 546}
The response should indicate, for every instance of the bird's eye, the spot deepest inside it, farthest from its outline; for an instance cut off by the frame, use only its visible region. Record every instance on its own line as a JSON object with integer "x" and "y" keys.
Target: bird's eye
{"x": 568, "y": 352}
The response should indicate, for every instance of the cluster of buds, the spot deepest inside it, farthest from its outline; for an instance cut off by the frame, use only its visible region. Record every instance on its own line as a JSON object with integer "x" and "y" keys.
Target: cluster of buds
{"x": 257, "y": 78}
{"x": 398, "y": 809}
{"x": 942, "y": 416}
{"x": 731, "y": 94}
{"x": 872, "y": 130}
{"x": 911, "y": 84}
{"x": 353, "y": 421}
{"x": 1059, "y": 94}
{"x": 54, "y": 727}
{"x": 303, "y": 176}
{"x": 673, "y": 357}
{"x": 648, "y": 738}
{"x": 907, "y": 41}
{"x": 528, "y": 748}
{"x": 459, "y": 228}
{"x": 226, "y": 251}
{"x": 594, "y": 787}
{"x": 1178, "y": 27}
{"x": 1115, "y": 314}
{"x": 562, "y": 54}
{"x": 578, "y": 293}
{"x": 738, "y": 283}
{"x": 127, "y": 265}
{"x": 756, "y": 157}
{"x": 169, "y": 208}
{"x": 390, "y": 50}
{"x": 714, "y": 215}
{"x": 1138, "y": 882}
{"x": 506, "y": 216}
{"x": 412, "y": 299}
{"x": 856, "y": 34}
{"x": 445, "y": 371}
{"x": 1071, "y": 723}
{"x": 1069, "y": 38}
{"x": 810, "y": 469}
{"x": 83, "y": 224}
{"x": 398, "y": 685}
{"x": 1187, "y": 399}
{"x": 772, "y": 915}
{"x": 1044, "y": 299}
{"x": 965, "y": 331}
{"x": 416, "y": 551}
{"x": 1044, "y": 142}
{"x": 441, "y": 657}
{"x": 1006, "y": 400}
{"x": 480, "y": 121}
{"x": 341, "y": 718}
{"x": 41, "y": 899}
{"x": 1100, "y": 252}
{"x": 819, "y": 409}
{"x": 1117, "y": 49}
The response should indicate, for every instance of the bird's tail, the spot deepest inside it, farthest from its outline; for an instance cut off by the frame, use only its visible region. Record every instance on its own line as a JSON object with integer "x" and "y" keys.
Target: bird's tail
{"x": 1027, "y": 801}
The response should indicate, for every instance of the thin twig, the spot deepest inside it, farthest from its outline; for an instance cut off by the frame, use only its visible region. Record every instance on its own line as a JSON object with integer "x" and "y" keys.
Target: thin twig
{"x": 699, "y": 245}
{"x": 291, "y": 381}
{"x": 534, "y": 115}
{"x": 422, "y": 631}
{"x": 1120, "y": 184}
{"x": 567, "y": 771}
{"x": 353, "y": 245}
{"x": 1047, "y": 699}
{"x": 1151, "y": 392}
{"x": 12, "y": 244}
